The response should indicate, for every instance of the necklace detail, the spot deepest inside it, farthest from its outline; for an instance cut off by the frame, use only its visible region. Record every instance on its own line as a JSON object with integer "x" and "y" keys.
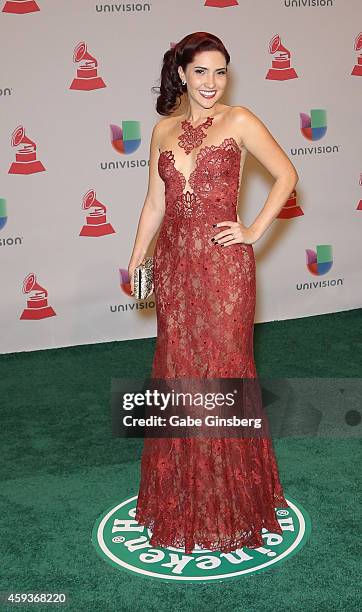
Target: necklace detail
{"x": 192, "y": 137}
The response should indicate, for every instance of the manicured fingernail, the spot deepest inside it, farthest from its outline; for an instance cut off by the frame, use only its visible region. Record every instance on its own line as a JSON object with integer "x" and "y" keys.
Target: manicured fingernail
{"x": 214, "y": 224}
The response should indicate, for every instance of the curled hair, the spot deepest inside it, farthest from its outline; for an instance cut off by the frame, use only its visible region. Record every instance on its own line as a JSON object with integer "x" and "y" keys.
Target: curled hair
{"x": 171, "y": 88}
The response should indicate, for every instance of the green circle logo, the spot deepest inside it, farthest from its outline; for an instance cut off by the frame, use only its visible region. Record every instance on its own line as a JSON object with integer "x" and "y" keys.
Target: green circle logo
{"x": 121, "y": 541}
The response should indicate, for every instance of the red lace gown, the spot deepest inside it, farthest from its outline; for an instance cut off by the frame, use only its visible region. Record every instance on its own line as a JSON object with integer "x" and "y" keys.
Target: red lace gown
{"x": 211, "y": 492}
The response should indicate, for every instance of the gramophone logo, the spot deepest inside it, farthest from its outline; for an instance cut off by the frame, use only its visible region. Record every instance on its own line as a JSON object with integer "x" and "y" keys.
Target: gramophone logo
{"x": 26, "y": 162}
{"x": 125, "y": 281}
{"x": 87, "y": 74}
{"x": 3, "y": 213}
{"x": 357, "y": 70}
{"x": 320, "y": 261}
{"x": 96, "y": 220}
{"x": 126, "y": 139}
{"x": 281, "y": 69}
{"x": 314, "y": 126}
{"x": 37, "y": 303}
{"x": 359, "y": 205}
{"x": 221, "y": 3}
{"x": 291, "y": 209}
{"x": 20, "y": 7}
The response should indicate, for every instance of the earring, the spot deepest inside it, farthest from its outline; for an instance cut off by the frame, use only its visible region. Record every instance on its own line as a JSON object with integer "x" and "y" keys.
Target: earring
{"x": 183, "y": 82}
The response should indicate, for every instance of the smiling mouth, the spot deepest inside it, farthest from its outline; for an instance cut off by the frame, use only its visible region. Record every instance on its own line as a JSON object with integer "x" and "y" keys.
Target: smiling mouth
{"x": 207, "y": 93}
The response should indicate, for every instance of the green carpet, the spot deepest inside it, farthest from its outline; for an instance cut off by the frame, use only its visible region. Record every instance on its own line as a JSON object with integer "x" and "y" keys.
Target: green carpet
{"x": 61, "y": 468}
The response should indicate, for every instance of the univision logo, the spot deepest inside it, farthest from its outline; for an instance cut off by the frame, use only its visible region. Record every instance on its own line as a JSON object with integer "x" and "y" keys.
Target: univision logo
{"x": 125, "y": 286}
{"x": 308, "y": 3}
{"x": 121, "y": 541}
{"x": 123, "y": 7}
{"x": 3, "y": 213}
{"x": 6, "y": 91}
{"x": 125, "y": 140}
{"x": 314, "y": 127}
{"x": 319, "y": 262}
{"x": 13, "y": 241}
{"x": 125, "y": 281}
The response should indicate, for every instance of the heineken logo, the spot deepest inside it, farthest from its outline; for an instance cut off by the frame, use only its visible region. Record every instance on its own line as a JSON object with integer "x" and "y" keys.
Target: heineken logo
{"x": 121, "y": 541}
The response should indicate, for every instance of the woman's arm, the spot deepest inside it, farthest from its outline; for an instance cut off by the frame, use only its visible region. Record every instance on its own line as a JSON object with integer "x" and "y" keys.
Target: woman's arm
{"x": 259, "y": 141}
{"x": 153, "y": 209}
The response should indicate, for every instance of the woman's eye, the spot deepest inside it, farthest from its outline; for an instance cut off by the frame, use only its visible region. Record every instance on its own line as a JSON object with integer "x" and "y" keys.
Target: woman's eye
{"x": 199, "y": 70}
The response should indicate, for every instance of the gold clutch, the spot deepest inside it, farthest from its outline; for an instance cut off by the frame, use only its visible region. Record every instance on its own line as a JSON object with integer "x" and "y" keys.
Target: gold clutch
{"x": 143, "y": 279}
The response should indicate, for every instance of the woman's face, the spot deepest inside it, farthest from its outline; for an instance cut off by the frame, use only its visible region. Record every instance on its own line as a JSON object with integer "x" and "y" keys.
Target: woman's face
{"x": 207, "y": 73}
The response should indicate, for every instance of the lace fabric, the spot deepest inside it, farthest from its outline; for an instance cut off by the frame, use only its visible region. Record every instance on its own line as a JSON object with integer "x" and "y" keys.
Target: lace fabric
{"x": 191, "y": 137}
{"x": 213, "y": 493}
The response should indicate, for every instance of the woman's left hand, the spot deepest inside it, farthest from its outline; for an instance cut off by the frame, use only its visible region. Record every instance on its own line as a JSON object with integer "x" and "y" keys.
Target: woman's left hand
{"x": 235, "y": 233}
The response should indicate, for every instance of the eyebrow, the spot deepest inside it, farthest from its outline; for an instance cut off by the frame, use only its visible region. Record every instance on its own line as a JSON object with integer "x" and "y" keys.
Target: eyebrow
{"x": 204, "y": 67}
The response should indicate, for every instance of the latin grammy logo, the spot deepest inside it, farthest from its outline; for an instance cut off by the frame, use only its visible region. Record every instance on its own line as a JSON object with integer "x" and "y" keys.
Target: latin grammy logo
{"x": 87, "y": 75}
{"x": 281, "y": 69}
{"x": 37, "y": 304}
{"x": 96, "y": 221}
{"x": 357, "y": 70}
{"x": 221, "y": 3}
{"x": 20, "y": 7}
{"x": 291, "y": 209}
{"x": 26, "y": 162}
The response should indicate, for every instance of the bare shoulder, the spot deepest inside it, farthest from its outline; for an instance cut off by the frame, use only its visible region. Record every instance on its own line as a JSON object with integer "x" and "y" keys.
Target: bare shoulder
{"x": 258, "y": 139}
{"x": 242, "y": 115}
{"x": 161, "y": 128}
{"x": 248, "y": 126}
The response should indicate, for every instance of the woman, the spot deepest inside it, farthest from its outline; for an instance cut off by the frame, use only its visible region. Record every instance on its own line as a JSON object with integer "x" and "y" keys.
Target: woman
{"x": 213, "y": 493}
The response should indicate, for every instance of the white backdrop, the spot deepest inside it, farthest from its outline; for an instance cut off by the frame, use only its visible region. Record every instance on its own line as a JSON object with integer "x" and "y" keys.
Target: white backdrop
{"x": 79, "y": 290}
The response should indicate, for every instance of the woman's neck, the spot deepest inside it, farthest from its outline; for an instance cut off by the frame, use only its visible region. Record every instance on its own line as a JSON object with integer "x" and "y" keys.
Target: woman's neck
{"x": 195, "y": 117}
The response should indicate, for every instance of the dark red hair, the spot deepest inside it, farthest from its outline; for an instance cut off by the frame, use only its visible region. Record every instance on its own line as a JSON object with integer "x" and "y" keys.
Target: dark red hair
{"x": 171, "y": 88}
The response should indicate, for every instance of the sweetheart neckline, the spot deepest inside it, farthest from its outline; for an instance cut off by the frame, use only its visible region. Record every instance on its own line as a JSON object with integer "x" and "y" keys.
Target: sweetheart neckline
{"x": 211, "y": 147}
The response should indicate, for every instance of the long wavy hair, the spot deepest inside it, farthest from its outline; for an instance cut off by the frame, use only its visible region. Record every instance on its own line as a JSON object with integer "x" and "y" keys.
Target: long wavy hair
{"x": 181, "y": 54}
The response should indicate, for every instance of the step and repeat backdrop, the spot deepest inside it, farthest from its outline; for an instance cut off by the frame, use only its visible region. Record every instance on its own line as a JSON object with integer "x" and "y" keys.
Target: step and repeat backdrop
{"x": 76, "y": 116}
